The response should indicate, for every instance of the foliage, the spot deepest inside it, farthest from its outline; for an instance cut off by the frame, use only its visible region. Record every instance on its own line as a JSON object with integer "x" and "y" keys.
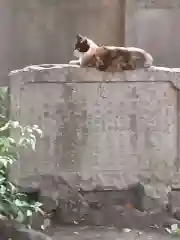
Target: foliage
{"x": 174, "y": 230}
{"x": 4, "y": 109}
{"x": 13, "y": 204}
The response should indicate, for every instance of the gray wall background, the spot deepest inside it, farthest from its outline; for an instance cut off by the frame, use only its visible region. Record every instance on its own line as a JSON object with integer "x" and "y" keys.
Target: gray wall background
{"x": 43, "y": 31}
{"x": 154, "y": 26}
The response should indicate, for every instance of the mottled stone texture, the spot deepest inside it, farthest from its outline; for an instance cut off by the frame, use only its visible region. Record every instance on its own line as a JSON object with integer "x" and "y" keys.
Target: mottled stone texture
{"x": 11, "y": 230}
{"x": 101, "y": 130}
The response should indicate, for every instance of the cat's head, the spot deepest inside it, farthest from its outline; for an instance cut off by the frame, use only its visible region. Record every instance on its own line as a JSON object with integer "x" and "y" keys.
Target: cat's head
{"x": 82, "y": 46}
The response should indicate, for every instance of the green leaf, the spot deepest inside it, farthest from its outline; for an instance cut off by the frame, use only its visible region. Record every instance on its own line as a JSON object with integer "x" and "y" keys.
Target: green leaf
{"x": 24, "y": 142}
{"x": 2, "y": 179}
{"x": 20, "y": 217}
{"x": 29, "y": 213}
{"x": 2, "y": 190}
{"x": 37, "y": 208}
{"x": 33, "y": 144}
{"x": 5, "y": 127}
{"x": 11, "y": 187}
{"x": 5, "y": 160}
{"x": 29, "y": 130}
{"x": 20, "y": 203}
{"x": 2, "y": 217}
{"x": 38, "y": 204}
{"x": 4, "y": 208}
{"x": 20, "y": 195}
{"x": 2, "y": 172}
{"x": 11, "y": 140}
{"x": 14, "y": 124}
{"x": 13, "y": 204}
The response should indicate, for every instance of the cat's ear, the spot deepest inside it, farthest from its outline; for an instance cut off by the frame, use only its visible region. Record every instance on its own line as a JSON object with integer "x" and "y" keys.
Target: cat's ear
{"x": 84, "y": 40}
{"x": 79, "y": 37}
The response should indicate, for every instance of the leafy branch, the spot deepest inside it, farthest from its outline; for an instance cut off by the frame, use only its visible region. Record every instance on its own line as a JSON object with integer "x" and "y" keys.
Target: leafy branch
{"x": 15, "y": 205}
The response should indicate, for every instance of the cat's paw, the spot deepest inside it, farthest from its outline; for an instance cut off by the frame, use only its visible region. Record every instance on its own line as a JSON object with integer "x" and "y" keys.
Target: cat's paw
{"x": 73, "y": 62}
{"x": 70, "y": 62}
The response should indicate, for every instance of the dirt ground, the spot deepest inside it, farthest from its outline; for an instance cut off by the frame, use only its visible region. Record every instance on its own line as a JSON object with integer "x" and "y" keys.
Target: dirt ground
{"x": 104, "y": 233}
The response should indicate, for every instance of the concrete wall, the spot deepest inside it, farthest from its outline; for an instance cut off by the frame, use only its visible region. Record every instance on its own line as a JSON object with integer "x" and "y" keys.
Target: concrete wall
{"x": 43, "y": 31}
{"x": 100, "y": 129}
{"x": 154, "y": 26}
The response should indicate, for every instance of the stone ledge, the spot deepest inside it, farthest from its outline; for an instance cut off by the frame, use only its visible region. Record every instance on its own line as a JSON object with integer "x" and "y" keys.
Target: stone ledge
{"x": 72, "y": 73}
{"x": 158, "y": 4}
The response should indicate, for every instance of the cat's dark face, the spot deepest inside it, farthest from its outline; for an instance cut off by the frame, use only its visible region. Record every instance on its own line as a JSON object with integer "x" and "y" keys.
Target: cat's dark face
{"x": 81, "y": 46}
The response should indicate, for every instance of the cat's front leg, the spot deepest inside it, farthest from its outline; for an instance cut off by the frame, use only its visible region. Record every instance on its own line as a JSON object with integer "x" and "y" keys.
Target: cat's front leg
{"x": 74, "y": 62}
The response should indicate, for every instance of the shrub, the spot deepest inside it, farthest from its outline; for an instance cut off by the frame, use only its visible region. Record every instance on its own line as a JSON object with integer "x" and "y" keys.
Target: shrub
{"x": 13, "y": 204}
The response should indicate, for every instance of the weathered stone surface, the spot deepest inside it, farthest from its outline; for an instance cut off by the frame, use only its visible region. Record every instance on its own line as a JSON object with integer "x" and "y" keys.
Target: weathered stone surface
{"x": 75, "y": 206}
{"x": 101, "y": 130}
{"x": 106, "y": 233}
{"x": 155, "y": 4}
{"x": 11, "y": 230}
{"x": 174, "y": 203}
{"x": 133, "y": 196}
{"x": 26, "y": 234}
{"x": 63, "y": 203}
{"x": 177, "y": 214}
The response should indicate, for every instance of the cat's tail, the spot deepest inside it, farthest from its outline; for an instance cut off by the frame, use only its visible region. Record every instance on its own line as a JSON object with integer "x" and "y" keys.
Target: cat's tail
{"x": 148, "y": 59}
{"x": 138, "y": 53}
{"x": 147, "y": 56}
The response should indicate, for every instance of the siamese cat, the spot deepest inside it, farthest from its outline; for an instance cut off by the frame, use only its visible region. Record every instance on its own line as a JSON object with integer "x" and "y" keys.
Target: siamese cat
{"x": 109, "y": 58}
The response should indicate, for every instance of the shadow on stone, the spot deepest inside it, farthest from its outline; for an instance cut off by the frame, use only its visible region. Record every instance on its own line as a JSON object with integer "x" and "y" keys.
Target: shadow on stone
{"x": 14, "y": 231}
